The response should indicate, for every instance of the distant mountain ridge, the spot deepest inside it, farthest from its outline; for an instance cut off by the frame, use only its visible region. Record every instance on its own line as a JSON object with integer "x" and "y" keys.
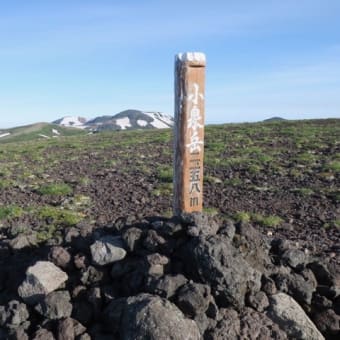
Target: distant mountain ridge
{"x": 274, "y": 119}
{"x": 125, "y": 120}
{"x": 75, "y": 125}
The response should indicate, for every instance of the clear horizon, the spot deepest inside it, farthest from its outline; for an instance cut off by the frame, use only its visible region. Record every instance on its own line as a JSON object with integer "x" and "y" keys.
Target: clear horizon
{"x": 265, "y": 58}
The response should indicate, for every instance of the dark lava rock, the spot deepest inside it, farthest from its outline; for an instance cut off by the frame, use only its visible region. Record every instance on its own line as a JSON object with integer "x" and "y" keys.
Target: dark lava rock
{"x": 151, "y": 317}
{"x": 153, "y": 241}
{"x": 23, "y": 240}
{"x": 328, "y": 322}
{"x": 13, "y": 315}
{"x": 17, "y": 334}
{"x": 93, "y": 275}
{"x": 258, "y": 300}
{"x": 43, "y": 334}
{"x": 268, "y": 285}
{"x": 165, "y": 286}
{"x": 253, "y": 247}
{"x": 55, "y": 305}
{"x": 69, "y": 329}
{"x": 66, "y": 330}
{"x": 132, "y": 238}
{"x": 321, "y": 273}
{"x": 217, "y": 263}
{"x": 296, "y": 286}
{"x": 294, "y": 258}
{"x": 125, "y": 266}
{"x": 204, "y": 224}
{"x": 112, "y": 315}
{"x": 59, "y": 256}
{"x": 193, "y": 299}
{"x": 228, "y": 327}
{"x": 254, "y": 325}
{"x": 179, "y": 278}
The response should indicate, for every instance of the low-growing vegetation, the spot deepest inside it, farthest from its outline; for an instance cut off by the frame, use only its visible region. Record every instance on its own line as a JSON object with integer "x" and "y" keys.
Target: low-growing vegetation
{"x": 287, "y": 172}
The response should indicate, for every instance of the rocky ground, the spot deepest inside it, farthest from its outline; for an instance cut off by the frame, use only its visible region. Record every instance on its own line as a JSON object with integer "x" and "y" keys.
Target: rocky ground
{"x": 262, "y": 263}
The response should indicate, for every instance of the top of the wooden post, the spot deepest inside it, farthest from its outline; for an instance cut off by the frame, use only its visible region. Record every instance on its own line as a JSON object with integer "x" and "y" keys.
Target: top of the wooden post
{"x": 192, "y": 58}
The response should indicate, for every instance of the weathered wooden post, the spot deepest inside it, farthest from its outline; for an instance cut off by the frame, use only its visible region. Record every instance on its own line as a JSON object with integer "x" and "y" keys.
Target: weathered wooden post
{"x": 189, "y": 132}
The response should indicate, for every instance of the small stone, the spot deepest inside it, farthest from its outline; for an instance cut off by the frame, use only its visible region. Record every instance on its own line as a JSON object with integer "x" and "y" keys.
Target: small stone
{"x": 71, "y": 234}
{"x": 80, "y": 261}
{"x": 294, "y": 258}
{"x": 155, "y": 263}
{"x": 166, "y": 286}
{"x": 41, "y": 278}
{"x": 92, "y": 275}
{"x": 132, "y": 238}
{"x": 60, "y": 256}
{"x": 193, "y": 299}
{"x": 85, "y": 336}
{"x": 22, "y": 241}
{"x": 259, "y": 301}
{"x": 66, "y": 329}
{"x": 153, "y": 241}
{"x": 14, "y": 314}
{"x": 268, "y": 286}
{"x": 107, "y": 249}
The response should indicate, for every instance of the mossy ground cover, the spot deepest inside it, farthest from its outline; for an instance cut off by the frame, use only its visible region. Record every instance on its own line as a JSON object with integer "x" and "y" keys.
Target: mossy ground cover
{"x": 277, "y": 173}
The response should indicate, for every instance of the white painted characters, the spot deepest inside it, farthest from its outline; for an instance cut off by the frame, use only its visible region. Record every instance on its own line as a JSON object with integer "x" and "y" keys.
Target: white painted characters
{"x": 194, "y": 120}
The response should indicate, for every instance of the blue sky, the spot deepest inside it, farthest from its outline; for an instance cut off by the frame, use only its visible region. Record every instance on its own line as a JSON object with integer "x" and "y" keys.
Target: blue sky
{"x": 78, "y": 57}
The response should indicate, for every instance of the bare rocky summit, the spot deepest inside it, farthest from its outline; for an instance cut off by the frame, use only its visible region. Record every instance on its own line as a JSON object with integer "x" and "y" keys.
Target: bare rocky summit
{"x": 188, "y": 277}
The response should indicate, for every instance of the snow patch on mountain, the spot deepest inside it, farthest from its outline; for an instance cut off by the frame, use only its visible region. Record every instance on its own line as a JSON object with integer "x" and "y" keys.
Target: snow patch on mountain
{"x": 123, "y": 123}
{"x": 4, "y": 134}
{"x": 161, "y": 120}
{"x": 72, "y": 121}
{"x": 142, "y": 122}
{"x": 125, "y": 120}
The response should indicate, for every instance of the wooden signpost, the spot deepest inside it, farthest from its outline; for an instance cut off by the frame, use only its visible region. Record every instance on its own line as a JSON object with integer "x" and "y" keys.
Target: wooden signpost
{"x": 189, "y": 132}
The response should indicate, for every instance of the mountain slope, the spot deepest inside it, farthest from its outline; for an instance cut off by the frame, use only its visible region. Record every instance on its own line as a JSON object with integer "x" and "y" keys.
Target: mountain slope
{"x": 131, "y": 120}
{"x": 37, "y": 131}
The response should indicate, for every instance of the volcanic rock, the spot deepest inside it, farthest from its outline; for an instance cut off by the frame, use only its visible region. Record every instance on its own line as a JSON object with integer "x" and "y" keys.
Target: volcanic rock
{"x": 14, "y": 315}
{"x": 55, "y": 305}
{"x": 287, "y": 313}
{"x": 151, "y": 317}
{"x": 23, "y": 240}
{"x": 218, "y": 263}
{"x": 294, "y": 258}
{"x": 165, "y": 286}
{"x": 107, "y": 250}
{"x": 60, "y": 256}
{"x": 328, "y": 322}
{"x": 41, "y": 278}
{"x": 43, "y": 334}
{"x": 193, "y": 298}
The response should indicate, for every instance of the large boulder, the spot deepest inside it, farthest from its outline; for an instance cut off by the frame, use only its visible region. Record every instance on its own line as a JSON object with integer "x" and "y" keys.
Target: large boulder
{"x": 217, "y": 263}
{"x": 288, "y": 314}
{"x": 41, "y": 278}
{"x": 150, "y": 317}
